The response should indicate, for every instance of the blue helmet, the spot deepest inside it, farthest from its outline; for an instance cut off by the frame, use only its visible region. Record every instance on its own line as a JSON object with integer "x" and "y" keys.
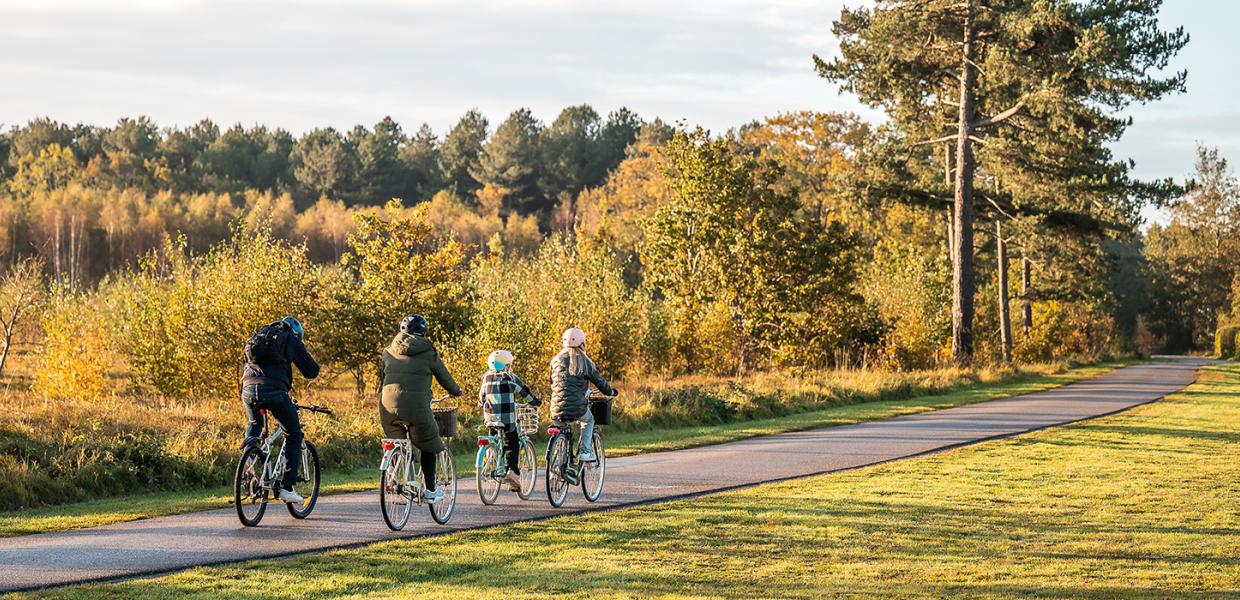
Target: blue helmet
{"x": 294, "y": 325}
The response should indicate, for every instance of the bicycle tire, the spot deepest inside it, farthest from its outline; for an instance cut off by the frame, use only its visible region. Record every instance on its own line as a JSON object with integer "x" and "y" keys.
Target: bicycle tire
{"x": 389, "y": 480}
{"x": 445, "y": 479}
{"x": 311, "y": 470}
{"x": 594, "y": 469}
{"x": 247, "y": 480}
{"x": 557, "y": 461}
{"x": 488, "y": 485}
{"x": 528, "y": 461}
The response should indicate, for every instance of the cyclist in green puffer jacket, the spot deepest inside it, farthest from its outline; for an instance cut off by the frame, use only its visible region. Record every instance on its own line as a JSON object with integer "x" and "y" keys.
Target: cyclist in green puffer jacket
{"x": 410, "y": 362}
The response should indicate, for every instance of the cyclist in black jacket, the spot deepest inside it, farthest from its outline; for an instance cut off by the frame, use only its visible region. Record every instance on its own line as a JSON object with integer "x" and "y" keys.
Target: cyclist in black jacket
{"x": 265, "y": 385}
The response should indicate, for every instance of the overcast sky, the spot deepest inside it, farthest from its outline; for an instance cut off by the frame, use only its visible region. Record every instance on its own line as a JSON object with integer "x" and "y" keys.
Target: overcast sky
{"x": 299, "y": 65}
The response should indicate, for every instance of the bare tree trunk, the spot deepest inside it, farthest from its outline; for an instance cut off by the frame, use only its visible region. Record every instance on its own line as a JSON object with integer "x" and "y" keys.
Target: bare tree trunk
{"x": 951, "y": 219}
{"x": 1005, "y": 318}
{"x": 4, "y": 352}
{"x": 1026, "y": 305}
{"x": 962, "y": 247}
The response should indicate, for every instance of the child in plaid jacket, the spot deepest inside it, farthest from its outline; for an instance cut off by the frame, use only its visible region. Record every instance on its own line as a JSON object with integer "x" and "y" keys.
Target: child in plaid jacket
{"x": 497, "y": 396}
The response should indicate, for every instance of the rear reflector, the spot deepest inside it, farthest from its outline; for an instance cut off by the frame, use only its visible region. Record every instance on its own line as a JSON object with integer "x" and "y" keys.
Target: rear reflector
{"x": 483, "y": 442}
{"x": 553, "y": 431}
{"x": 388, "y": 446}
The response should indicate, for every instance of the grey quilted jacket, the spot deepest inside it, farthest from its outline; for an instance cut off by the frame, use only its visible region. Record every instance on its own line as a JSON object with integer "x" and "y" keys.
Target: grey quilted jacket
{"x": 568, "y": 392}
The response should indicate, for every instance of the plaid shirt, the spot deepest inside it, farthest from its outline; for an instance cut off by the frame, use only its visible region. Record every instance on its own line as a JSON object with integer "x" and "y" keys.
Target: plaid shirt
{"x": 498, "y": 397}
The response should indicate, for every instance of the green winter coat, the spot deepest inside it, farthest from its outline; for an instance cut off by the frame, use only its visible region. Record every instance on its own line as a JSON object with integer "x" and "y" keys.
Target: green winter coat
{"x": 409, "y": 363}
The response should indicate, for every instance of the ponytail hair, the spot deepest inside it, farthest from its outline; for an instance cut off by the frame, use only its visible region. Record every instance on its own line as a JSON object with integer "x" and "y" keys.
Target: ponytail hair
{"x": 578, "y": 362}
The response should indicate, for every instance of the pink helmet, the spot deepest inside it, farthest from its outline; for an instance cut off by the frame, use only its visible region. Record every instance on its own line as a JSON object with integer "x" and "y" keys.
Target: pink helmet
{"x": 573, "y": 338}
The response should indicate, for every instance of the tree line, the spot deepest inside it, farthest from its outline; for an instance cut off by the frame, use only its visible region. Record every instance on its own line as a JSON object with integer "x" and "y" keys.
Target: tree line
{"x": 541, "y": 165}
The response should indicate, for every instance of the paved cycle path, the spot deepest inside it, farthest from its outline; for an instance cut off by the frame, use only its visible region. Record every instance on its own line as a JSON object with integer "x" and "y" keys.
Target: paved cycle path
{"x": 176, "y": 542}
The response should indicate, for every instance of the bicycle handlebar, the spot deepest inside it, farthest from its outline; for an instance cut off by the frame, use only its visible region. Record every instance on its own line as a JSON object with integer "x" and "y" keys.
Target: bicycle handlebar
{"x": 315, "y": 409}
{"x": 441, "y": 398}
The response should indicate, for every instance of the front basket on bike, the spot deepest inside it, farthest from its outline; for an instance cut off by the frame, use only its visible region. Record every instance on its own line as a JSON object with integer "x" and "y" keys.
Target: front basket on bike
{"x": 445, "y": 418}
{"x": 601, "y": 409}
{"x": 527, "y": 419}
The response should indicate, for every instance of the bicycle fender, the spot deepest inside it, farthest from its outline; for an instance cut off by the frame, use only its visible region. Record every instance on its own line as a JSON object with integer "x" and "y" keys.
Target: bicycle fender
{"x": 387, "y": 460}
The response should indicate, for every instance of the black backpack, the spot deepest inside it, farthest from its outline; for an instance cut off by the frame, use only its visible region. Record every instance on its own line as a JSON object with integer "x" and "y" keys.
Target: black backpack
{"x": 268, "y": 345}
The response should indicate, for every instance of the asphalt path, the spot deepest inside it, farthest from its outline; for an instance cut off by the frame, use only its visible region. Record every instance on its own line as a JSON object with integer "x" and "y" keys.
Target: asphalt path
{"x": 166, "y": 544}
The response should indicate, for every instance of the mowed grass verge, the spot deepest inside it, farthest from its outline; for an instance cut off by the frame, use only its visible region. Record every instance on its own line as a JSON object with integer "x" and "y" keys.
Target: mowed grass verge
{"x": 1140, "y": 504}
{"x": 620, "y": 443}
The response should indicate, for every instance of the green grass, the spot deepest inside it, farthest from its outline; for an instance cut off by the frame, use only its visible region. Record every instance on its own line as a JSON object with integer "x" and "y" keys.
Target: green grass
{"x": 620, "y": 443}
{"x": 1140, "y": 504}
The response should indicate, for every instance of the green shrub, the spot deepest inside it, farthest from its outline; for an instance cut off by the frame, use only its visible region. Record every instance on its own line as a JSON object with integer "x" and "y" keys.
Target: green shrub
{"x": 1225, "y": 341}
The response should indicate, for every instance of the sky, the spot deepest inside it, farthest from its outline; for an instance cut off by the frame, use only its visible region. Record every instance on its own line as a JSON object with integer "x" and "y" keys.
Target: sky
{"x": 300, "y": 65}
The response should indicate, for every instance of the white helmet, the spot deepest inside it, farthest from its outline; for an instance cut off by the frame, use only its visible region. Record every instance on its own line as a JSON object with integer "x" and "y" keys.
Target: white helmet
{"x": 573, "y": 338}
{"x": 499, "y": 357}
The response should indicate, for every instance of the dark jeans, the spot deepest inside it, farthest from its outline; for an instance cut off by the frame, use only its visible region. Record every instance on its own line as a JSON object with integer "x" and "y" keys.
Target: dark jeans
{"x": 257, "y": 398}
{"x": 512, "y": 446}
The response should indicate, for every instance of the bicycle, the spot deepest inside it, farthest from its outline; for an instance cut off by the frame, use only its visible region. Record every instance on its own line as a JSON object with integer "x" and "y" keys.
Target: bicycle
{"x": 401, "y": 482}
{"x": 257, "y": 476}
{"x": 563, "y": 471}
{"x": 491, "y": 466}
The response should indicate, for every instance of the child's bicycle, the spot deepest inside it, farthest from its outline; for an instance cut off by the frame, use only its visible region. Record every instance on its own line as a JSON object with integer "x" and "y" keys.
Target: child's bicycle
{"x": 258, "y": 475}
{"x": 564, "y": 464}
{"x": 491, "y": 466}
{"x": 400, "y": 483}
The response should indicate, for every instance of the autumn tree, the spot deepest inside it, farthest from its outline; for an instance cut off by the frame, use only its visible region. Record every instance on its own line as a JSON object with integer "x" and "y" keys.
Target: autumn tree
{"x": 1195, "y": 255}
{"x": 21, "y": 291}
{"x": 954, "y": 74}
{"x": 394, "y": 260}
{"x": 728, "y": 244}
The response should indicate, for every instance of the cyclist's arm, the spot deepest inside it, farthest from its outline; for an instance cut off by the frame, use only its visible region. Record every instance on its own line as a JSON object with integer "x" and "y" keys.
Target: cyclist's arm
{"x": 443, "y": 377}
{"x": 597, "y": 379}
{"x": 524, "y": 390}
{"x": 301, "y": 357}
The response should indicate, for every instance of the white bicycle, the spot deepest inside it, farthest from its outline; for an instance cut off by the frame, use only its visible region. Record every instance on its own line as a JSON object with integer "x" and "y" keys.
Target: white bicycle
{"x": 401, "y": 482}
{"x": 258, "y": 475}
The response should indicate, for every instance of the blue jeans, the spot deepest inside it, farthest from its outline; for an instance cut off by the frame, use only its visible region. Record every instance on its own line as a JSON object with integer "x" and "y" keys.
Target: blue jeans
{"x": 257, "y": 398}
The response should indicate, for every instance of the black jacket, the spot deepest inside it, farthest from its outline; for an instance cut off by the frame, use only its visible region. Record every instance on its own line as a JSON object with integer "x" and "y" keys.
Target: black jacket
{"x": 280, "y": 375}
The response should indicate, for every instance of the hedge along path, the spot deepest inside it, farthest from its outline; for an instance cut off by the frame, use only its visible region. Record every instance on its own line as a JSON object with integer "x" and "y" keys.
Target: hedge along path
{"x": 214, "y": 537}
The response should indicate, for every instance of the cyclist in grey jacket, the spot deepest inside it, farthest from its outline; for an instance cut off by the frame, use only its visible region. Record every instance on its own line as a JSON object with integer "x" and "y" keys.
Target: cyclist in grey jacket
{"x": 572, "y": 372}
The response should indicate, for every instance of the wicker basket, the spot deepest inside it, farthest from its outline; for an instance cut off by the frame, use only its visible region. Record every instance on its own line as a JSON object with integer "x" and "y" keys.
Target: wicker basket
{"x": 527, "y": 419}
{"x": 601, "y": 408}
{"x": 445, "y": 418}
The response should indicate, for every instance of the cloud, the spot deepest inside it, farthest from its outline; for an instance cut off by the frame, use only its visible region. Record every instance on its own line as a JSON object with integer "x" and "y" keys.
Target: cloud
{"x": 300, "y": 65}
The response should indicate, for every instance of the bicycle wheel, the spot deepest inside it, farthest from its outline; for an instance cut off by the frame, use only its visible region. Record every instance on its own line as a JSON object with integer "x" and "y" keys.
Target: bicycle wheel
{"x": 445, "y": 479}
{"x": 488, "y": 484}
{"x": 557, "y": 461}
{"x": 593, "y": 472}
{"x": 394, "y": 495}
{"x": 528, "y": 462}
{"x": 249, "y": 496}
{"x": 307, "y": 485}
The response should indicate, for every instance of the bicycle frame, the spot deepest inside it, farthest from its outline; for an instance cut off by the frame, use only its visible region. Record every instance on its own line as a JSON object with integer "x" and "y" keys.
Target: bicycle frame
{"x": 392, "y": 447}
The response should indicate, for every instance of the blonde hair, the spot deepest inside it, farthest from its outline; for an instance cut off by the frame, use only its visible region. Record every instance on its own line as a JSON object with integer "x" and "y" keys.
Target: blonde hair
{"x": 578, "y": 362}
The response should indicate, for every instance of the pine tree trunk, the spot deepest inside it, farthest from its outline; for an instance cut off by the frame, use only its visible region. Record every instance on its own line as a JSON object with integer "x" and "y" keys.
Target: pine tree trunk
{"x": 962, "y": 245}
{"x": 1026, "y": 305}
{"x": 1005, "y": 318}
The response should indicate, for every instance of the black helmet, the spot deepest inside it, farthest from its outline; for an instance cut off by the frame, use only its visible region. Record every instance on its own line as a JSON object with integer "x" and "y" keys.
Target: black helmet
{"x": 415, "y": 325}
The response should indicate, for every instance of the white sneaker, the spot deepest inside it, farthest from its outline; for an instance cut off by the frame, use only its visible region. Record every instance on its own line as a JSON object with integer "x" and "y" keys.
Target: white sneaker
{"x": 432, "y": 496}
{"x": 291, "y": 497}
{"x": 513, "y": 481}
{"x": 587, "y": 457}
